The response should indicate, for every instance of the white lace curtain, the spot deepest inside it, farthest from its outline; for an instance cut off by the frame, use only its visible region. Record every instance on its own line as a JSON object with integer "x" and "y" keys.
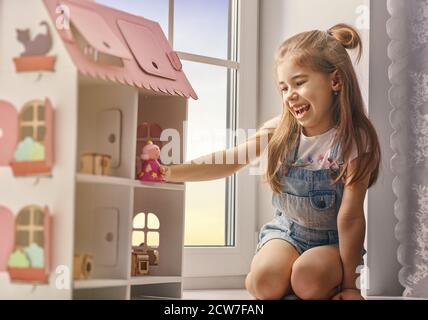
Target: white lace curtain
{"x": 408, "y": 73}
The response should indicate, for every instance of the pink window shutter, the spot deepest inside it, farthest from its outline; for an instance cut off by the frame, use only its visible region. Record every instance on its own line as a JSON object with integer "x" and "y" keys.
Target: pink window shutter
{"x": 49, "y": 136}
{"x": 47, "y": 234}
{"x": 7, "y": 236}
{"x": 9, "y": 132}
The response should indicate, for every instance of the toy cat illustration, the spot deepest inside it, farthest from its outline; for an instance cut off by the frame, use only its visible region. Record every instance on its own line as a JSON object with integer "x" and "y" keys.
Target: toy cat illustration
{"x": 39, "y": 46}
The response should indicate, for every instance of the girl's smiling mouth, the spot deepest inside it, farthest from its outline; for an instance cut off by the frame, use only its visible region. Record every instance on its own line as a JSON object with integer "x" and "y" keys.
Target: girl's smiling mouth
{"x": 301, "y": 111}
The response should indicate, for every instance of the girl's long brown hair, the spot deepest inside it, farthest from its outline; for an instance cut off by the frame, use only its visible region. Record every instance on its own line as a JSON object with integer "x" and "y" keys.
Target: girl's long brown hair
{"x": 325, "y": 51}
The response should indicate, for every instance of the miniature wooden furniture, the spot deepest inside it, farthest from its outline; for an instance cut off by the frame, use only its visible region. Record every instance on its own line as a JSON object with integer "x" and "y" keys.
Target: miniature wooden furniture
{"x": 140, "y": 264}
{"x": 142, "y": 258}
{"x": 83, "y": 266}
{"x": 96, "y": 164}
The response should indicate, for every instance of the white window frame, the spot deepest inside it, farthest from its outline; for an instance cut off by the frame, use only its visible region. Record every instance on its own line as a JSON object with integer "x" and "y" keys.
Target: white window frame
{"x": 210, "y": 262}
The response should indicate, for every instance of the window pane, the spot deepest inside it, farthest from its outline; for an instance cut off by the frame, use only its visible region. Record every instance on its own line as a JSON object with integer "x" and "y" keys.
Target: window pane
{"x": 202, "y": 27}
{"x": 41, "y": 113}
{"x": 139, "y": 221}
{"x": 38, "y": 238}
{"x": 153, "y": 221}
{"x": 153, "y": 239}
{"x": 205, "y": 201}
{"x": 23, "y": 218}
{"x": 137, "y": 238}
{"x": 28, "y": 114}
{"x": 22, "y": 239}
{"x": 27, "y": 132}
{"x": 41, "y": 131}
{"x": 149, "y": 9}
{"x": 207, "y": 116}
{"x": 38, "y": 218}
{"x": 205, "y": 213}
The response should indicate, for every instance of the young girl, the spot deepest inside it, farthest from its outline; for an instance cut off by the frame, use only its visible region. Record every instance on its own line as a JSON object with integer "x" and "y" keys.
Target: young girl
{"x": 323, "y": 155}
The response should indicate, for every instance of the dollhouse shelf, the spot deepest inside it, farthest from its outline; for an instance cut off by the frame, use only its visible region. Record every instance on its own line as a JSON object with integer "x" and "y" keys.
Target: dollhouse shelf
{"x": 153, "y": 279}
{"x": 87, "y": 178}
{"x": 99, "y": 283}
{"x": 106, "y": 283}
{"x": 156, "y": 298}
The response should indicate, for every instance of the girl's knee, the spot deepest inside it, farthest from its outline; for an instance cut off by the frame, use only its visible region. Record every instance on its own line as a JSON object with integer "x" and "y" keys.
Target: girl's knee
{"x": 267, "y": 285}
{"x": 308, "y": 291}
{"x": 249, "y": 285}
{"x": 307, "y": 284}
{"x": 248, "y": 281}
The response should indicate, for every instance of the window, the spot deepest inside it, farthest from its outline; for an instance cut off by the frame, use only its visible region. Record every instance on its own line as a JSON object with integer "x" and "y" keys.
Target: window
{"x": 34, "y": 152}
{"x": 206, "y": 210}
{"x": 32, "y": 121}
{"x": 145, "y": 234}
{"x": 205, "y": 35}
{"x": 30, "y": 227}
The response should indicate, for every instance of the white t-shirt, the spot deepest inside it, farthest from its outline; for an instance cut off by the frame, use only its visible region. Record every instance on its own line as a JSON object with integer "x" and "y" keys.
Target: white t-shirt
{"x": 313, "y": 151}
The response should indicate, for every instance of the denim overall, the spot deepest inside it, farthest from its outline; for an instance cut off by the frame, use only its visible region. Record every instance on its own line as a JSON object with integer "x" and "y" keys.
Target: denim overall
{"x": 306, "y": 209}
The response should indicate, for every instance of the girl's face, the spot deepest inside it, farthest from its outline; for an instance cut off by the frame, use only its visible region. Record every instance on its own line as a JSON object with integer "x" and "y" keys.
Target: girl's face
{"x": 308, "y": 96}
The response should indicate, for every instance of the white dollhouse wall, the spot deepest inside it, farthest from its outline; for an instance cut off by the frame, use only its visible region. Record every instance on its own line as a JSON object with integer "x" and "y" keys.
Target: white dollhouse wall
{"x": 56, "y": 192}
{"x": 102, "y": 228}
{"x": 96, "y": 97}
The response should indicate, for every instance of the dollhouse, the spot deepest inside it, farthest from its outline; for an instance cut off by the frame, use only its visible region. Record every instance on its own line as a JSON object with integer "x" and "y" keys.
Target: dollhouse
{"x": 83, "y": 88}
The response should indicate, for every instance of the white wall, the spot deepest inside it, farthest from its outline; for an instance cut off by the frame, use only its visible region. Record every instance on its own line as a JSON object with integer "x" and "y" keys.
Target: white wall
{"x": 56, "y": 192}
{"x": 280, "y": 19}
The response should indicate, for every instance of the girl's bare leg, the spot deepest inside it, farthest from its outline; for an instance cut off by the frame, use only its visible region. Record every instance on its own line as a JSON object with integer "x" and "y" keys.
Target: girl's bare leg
{"x": 317, "y": 273}
{"x": 270, "y": 273}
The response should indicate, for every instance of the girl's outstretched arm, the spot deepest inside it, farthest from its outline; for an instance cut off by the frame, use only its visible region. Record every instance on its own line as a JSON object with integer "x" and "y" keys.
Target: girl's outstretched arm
{"x": 219, "y": 164}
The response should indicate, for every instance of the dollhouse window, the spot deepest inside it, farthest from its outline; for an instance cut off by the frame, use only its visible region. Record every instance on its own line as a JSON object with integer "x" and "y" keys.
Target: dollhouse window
{"x": 32, "y": 121}
{"x": 145, "y": 230}
{"x": 30, "y": 227}
{"x": 34, "y": 153}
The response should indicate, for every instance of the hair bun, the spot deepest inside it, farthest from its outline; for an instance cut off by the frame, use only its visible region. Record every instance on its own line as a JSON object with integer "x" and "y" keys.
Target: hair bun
{"x": 347, "y": 36}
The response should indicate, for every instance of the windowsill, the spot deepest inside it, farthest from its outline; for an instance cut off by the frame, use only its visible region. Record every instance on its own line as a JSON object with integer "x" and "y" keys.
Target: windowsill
{"x": 242, "y": 294}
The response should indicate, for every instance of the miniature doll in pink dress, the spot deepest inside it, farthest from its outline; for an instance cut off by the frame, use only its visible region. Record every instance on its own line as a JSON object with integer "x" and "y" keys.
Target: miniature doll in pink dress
{"x": 151, "y": 170}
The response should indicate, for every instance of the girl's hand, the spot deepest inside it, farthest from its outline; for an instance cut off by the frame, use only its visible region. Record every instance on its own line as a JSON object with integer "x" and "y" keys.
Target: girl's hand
{"x": 348, "y": 294}
{"x": 165, "y": 172}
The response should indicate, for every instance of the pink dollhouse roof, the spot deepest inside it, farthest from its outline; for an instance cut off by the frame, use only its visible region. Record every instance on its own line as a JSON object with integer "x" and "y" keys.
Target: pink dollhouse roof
{"x": 148, "y": 60}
